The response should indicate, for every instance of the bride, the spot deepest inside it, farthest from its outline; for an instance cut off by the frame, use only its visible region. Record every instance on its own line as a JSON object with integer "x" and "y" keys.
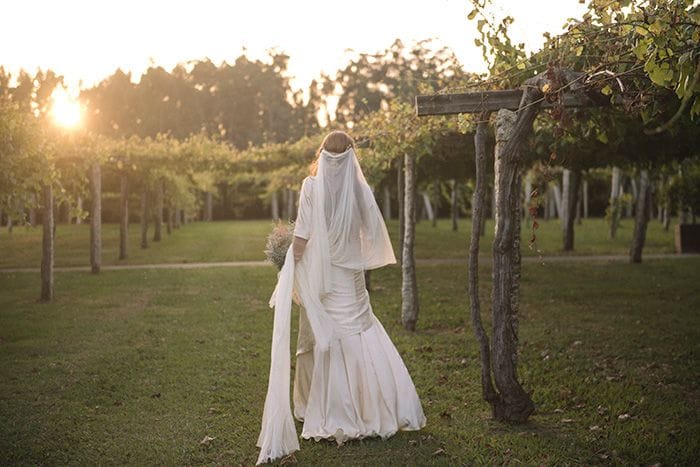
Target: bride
{"x": 350, "y": 382}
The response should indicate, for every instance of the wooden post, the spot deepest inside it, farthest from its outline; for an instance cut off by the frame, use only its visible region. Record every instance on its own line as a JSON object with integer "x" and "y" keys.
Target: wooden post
{"x": 564, "y": 211}
{"x": 208, "y": 206}
{"x": 158, "y": 218}
{"x": 275, "y": 206}
{"x": 409, "y": 288}
{"x": 290, "y": 205}
{"x": 386, "y": 203}
{"x": 96, "y": 219}
{"x": 629, "y": 207}
{"x": 569, "y": 206}
{"x": 585, "y": 199}
{"x": 454, "y": 208}
{"x": 641, "y": 218}
{"x": 578, "y": 206}
{"x": 527, "y": 194}
{"x": 429, "y": 212}
{"x": 78, "y": 218}
{"x": 124, "y": 217}
{"x": 168, "y": 219}
{"x": 614, "y": 206}
{"x": 47, "y": 245}
{"x": 144, "y": 215}
{"x": 32, "y": 210}
{"x": 556, "y": 191}
{"x": 400, "y": 194}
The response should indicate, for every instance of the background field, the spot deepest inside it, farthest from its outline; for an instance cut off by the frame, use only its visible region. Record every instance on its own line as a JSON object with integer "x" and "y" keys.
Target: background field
{"x": 245, "y": 241}
{"x": 139, "y": 366}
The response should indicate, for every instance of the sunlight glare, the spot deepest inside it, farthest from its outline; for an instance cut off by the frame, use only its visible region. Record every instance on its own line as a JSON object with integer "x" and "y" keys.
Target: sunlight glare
{"x": 65, "y": 110}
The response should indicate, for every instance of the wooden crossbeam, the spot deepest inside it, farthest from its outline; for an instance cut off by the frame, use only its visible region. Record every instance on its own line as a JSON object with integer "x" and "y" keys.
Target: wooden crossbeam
{"x": 476, "y": 102}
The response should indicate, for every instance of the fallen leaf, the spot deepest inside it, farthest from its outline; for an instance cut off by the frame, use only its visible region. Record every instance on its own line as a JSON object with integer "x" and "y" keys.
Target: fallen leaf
{"x": 207, "y": 440}
{"x": 623, "y": 417}
{"x": 439, "y": 452}
{"x": 290, "y": 459}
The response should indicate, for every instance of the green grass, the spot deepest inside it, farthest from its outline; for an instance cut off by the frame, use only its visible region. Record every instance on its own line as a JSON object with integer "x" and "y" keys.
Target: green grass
{"x": 195, "y": 242}
{"x": 136, "y": 367}
{"x": 245, "y": 240}
{"x": 591, "y": 238}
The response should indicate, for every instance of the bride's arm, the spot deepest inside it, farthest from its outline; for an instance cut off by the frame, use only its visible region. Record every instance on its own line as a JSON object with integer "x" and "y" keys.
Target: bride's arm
{"x": 302, "y": 226}
{"x": 298, "y": 246}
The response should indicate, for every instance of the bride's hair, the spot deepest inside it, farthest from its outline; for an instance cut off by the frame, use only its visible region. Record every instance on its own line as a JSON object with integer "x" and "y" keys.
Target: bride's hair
{"x": 335, "y": 142}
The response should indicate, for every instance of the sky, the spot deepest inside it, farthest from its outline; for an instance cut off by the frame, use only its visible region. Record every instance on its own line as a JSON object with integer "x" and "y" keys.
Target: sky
{"x": 87, "y": 40}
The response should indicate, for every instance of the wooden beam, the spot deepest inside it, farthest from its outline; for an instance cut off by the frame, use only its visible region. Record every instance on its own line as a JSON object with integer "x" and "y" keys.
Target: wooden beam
{"x": 476, "y": 102}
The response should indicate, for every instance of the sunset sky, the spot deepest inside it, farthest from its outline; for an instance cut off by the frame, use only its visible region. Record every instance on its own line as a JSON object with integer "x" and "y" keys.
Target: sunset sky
{"x": 87, "y": 40}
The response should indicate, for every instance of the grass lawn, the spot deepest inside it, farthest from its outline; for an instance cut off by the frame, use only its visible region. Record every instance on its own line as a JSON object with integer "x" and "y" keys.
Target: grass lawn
{"x": 245, "y": 240}
{"x": 137, "y": 367}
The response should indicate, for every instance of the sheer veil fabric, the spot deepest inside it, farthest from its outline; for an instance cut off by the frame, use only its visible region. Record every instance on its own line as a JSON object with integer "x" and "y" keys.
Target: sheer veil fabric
{"x": 350, "y": 381}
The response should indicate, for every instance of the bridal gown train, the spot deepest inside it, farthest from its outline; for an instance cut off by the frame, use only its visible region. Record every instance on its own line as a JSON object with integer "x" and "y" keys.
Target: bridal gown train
{"x": 360, "y": 386}
{"x": 350, "y": 381}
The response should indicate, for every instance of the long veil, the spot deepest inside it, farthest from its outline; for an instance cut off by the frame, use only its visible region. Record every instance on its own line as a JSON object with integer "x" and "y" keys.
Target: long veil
{"x": 347, "y": 227}
{"x": 347, "y": 230}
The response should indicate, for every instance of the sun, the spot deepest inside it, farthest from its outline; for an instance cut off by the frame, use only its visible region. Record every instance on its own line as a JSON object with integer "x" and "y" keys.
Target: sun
{"x": 65, "y": 110}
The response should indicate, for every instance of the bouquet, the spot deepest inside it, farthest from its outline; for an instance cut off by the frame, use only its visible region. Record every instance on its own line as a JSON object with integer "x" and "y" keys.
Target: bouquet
{"x": 278, "y": 242}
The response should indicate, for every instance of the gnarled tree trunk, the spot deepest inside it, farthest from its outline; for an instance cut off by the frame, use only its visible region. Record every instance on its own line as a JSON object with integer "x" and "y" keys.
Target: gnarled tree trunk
{"x": 409, "y": 288}
{"x": 514, "y": 404}
{"x": 47, "y": 245}
{"x": 478, "y": 202}
{"x": 96, "y": 219}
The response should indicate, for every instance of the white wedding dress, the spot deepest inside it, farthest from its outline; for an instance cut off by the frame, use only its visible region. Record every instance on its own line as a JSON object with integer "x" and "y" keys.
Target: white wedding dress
{"x": 350, "y": 381}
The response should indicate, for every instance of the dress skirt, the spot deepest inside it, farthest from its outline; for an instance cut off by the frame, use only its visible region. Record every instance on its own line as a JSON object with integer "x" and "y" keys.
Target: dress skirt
{"x": 359, "y": 386}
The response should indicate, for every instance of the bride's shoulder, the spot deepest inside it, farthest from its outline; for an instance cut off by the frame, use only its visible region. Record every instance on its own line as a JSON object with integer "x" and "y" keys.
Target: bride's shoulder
{"x": 307, "y": 185}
